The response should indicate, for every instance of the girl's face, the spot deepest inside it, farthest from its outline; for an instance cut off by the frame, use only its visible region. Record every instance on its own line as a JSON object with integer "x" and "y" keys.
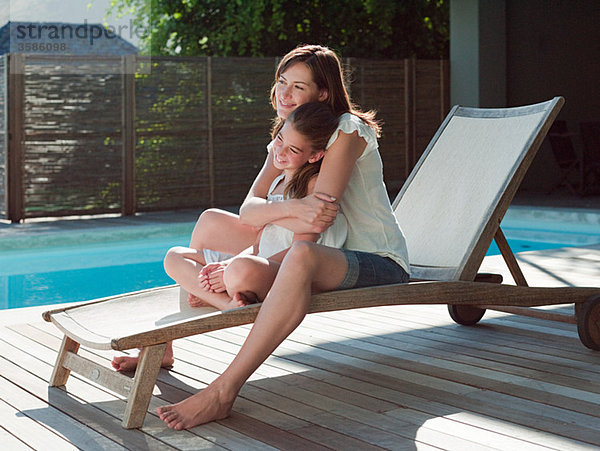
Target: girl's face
{"x": 292, "y": 150}
{"x": 296, "y": 87}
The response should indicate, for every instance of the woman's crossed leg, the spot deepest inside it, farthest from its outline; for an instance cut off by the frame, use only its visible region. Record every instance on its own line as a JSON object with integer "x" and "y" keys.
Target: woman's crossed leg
{"x": 307, "y": 268}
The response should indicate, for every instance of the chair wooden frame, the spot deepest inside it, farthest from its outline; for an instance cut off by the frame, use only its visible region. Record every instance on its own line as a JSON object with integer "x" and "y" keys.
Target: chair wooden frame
{"x": 151, "y": 318}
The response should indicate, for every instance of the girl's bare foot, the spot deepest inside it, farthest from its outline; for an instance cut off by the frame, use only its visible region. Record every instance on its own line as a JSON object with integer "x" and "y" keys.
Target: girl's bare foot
{"x": 210, "y": 404}
{"x": 195, "y": 301}
{"x": 129, "y": 363}
{"x": 236, "y": 303}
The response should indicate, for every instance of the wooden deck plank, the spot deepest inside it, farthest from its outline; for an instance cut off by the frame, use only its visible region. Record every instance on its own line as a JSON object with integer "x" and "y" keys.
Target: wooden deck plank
{"x": 312, "y": 384}
{"x": 89, "y": 416}
{"x": 435, "y": 321}
{"x": 12, "y": 442}
{"x": 574, "y": 393}
{"x": 426, "y": 352}
{"x": 284, "y": 392}
{"x": 17, "y": 423}
{"x": 264, "y": 398}
{"x": 424, "y": 393}
{"x": 95, "y": 407}
{"x": 480, "y": 354}
{"x": 504, "y": 351}
{"x": 422, "y": 385}
{"x": 215, "y": 433}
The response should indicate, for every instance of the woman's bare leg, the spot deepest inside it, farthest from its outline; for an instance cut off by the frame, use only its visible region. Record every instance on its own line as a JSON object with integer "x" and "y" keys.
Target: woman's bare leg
{"x": 307, "y": 268}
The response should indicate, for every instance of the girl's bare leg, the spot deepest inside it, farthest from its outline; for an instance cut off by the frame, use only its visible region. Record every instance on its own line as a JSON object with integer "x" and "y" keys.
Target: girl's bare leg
{"x": 215, "y": 229}
{"x": 222, "y": 231}
{"x": 307, "y": 268}
{"x": 250, "y": 276}
{"x": 183, "y": 265}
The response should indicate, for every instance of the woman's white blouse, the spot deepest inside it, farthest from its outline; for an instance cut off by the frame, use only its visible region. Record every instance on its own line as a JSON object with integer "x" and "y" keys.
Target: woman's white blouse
{"x": 372, "y": 226}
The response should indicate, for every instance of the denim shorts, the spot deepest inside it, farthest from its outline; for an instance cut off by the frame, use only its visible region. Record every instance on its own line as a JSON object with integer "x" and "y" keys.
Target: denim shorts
{"x": 367, "y": 270}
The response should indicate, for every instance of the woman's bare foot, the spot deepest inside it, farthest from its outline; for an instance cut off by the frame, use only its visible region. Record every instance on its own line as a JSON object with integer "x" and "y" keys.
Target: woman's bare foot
{"x": 129, "y": 363}
{"x": 212, "y": 403}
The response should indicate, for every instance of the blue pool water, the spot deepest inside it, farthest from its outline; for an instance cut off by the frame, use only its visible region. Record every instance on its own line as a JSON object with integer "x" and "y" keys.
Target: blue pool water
{"x": 83, "y": 272}
{"x": 57, "y": 273}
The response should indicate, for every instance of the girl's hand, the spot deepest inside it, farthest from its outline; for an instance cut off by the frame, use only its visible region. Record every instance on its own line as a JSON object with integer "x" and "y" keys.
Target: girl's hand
{"x": 211, "y": 277}
{"x": 317, "y": 209}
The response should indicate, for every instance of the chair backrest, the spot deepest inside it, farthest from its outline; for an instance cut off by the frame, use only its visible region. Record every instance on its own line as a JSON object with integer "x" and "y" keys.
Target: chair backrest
{"x": 452, "y": 203}
{"x": 590, "y": 135}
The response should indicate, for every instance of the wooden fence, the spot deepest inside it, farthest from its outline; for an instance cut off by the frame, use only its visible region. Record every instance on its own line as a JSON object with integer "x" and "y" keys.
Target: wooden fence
{"x": 140, "y": 134}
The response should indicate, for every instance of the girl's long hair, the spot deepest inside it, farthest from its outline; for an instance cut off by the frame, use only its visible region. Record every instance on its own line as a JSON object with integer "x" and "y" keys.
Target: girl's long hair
{"x": 327, "y": 73}
{"x": 316, "y": 122}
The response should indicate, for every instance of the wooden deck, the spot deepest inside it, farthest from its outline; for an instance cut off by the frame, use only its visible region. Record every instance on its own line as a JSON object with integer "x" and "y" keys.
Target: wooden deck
{"x": 403, "y": 377}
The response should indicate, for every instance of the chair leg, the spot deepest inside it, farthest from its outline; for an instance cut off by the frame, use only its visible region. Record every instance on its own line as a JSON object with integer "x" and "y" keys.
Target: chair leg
{"x": 141, "y": 390}
{"x": 60, "y": 374}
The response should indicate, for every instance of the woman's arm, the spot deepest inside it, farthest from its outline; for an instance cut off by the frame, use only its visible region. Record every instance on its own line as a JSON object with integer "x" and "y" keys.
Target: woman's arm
{"x": 316, "y": 212}
{"x": 338, "y": 164}
{"x": 298, "y": 215}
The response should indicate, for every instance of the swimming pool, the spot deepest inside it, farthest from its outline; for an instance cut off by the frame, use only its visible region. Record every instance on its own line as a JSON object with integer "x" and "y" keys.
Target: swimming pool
{"x": 93, "y": 264}
{"x": 85, "y": 265}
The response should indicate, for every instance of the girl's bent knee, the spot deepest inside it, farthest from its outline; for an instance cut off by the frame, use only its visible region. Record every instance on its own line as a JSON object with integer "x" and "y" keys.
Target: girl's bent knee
{"x": 238, "y": 271}
{"x": 212, "y": 216}
{"x": 172, "y": 259}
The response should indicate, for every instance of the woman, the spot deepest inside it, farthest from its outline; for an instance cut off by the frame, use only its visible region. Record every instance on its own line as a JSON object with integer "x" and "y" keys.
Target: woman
{"x": 352, "y": 172}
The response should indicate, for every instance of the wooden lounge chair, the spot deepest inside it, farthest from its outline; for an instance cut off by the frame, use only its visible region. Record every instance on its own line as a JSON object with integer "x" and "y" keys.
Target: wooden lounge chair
{"x": 450, "y": 209}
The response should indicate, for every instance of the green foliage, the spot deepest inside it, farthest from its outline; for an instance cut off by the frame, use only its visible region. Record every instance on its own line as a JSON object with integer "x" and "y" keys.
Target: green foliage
{"x": 358, "y": 28}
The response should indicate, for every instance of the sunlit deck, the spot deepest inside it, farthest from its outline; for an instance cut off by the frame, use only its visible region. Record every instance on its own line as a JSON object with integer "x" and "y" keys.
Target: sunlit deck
{"x": 402, "y": 377}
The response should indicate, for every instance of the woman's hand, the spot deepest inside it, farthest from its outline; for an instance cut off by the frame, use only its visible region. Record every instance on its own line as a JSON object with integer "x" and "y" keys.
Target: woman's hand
{"x": 317, "y": 209}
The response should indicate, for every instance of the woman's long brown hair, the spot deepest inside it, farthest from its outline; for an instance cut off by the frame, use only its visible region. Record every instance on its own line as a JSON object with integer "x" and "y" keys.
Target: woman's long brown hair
{"x": 327, "y": 74}
{"x": 316, "y": 122}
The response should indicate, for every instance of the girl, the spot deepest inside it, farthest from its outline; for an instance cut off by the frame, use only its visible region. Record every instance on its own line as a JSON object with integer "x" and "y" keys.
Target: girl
{"x": 374, "y": 252}
{"x": 298, "y": 149}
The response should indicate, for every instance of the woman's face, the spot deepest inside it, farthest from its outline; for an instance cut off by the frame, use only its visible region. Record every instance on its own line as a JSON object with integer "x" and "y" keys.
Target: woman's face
{"x": 296, "y": 87}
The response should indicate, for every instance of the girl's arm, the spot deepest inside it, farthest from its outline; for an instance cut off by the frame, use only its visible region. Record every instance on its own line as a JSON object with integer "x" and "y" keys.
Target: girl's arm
{"x": 255, "y": 210}
{"x": 299, "y": 236}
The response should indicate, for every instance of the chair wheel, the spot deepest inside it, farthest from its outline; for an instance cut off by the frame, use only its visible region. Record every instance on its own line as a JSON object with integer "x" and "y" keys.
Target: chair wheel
{"x": 588, "y": 323}
{"x": 467, "y": 315}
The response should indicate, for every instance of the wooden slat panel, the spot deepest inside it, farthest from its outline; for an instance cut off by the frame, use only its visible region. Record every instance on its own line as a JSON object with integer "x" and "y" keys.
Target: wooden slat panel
{"x": 73, "y": 129}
